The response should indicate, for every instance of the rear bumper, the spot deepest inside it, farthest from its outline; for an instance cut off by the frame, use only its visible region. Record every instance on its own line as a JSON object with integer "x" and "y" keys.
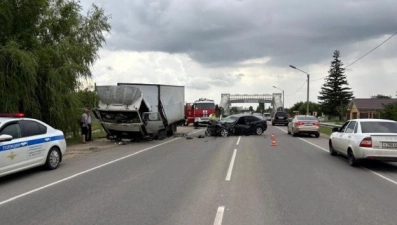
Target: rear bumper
{"x": 308, "y": 130}
{"x": 280, "y": 121}
{"x": 378, "y": 154}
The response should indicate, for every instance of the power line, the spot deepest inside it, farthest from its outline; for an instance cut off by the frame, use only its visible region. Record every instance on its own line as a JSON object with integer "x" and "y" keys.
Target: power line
{"x": 298, "y": 89}
{"x": 366, "y": 53}
{"x": 372, "y": 50}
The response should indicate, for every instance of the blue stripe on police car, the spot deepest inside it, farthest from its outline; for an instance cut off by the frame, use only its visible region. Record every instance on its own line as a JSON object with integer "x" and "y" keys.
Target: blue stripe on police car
{"x": 30, "y": 143}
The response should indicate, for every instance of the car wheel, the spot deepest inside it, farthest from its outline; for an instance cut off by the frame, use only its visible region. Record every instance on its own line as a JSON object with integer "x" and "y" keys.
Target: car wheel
{"x": 224, "y": 133}
{"x": 332, "y": 150}
{"x": 317, "y": 135}
{"x": 259, "y": 130}
{"x": 350, "y": 158}
{"x": 273, "y": 124}
{"x": 53, "y": 158}
{"x": 294, "y": 134}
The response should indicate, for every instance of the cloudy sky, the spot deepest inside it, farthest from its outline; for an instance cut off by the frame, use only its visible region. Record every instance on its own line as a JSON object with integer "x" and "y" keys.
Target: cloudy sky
{"x": 245, "y": 46}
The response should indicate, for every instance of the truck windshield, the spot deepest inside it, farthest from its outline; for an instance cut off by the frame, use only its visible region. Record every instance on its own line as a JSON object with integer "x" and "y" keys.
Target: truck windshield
{"x": 205, "y": 106}
{"x": 120, "y": 117}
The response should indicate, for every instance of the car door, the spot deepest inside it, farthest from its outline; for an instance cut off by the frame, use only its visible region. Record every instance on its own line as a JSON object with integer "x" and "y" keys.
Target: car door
{"x": 38, "y": 141}
{"x": 337, "y": 136}
{"x": 241, "y": 126}
{"x": 251, "y": 121}
{"x": 346, "y": 137}
{"x": 12, "y": 153}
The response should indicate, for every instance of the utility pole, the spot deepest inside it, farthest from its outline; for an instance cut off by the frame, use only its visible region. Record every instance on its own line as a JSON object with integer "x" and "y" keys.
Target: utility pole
{"x": 308, "y": 80}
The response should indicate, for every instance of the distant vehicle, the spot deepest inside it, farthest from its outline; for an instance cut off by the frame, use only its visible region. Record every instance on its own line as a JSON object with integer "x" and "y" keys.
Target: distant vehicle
{"x": 304, "y": 125}
{"x": 199, "y": 112}
{"x": 365, "y": 139}
{"x": 259, "y": 115}
{"x": 267, "y": 116}
{"x": 244, "y": 124}
{"x": 26, "y": 143}
{"x": 280, "y": 117}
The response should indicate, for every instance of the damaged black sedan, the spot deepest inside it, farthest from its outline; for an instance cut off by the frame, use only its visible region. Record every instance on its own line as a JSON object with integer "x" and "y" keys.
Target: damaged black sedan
{"x": 240, "y": 124}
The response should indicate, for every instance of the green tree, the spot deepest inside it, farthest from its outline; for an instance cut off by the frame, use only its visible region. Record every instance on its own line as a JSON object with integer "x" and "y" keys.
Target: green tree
{"x": 297, "y": 106}
{"x": 389, "y": 111}
{"x": 380, "y": 96}
{"x": 335, "y": 93}
{"x": 46, "y": 46}
{"x": 251, "y": 108}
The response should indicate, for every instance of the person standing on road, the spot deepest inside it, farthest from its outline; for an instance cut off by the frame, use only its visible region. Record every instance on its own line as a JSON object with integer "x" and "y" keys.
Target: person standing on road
{"x": 89, "y": 127}
{"x": 84, "y": 126}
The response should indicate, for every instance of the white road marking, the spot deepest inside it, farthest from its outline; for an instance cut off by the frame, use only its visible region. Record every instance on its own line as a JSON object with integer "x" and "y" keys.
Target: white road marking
{"x": 229, "y": 171}
{"x": 219, "y": 215}
{"x": 365, "y": 168}
{"x": 238, "y": 140}
{"x": 89, "y": 170}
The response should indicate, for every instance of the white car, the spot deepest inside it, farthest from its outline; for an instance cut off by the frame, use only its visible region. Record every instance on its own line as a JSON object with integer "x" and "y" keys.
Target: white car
{"x": 26, "y": 143}
{"x": 365, "y": 139}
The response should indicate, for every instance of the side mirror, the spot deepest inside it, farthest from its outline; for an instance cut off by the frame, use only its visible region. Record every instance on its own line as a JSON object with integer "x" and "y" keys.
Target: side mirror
{"x": 5, "y": 137}
{"x": 335, "y": 129}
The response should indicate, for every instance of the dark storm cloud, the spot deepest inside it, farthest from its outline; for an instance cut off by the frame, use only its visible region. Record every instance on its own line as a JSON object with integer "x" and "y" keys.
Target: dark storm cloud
{"x": 223, "y": 33}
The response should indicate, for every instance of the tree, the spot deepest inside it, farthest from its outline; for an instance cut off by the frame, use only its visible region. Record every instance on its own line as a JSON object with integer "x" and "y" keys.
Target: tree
{"x": 389, "y": 111}
{"x": 251, "y": 108}
{"x": 380, "y": 96}
{"x": 46, "y": 46}
{"x": 335, "y": 93}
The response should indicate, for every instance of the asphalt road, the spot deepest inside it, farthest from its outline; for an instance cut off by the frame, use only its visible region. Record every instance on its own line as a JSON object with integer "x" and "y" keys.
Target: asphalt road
{"x": 234, "y": 180}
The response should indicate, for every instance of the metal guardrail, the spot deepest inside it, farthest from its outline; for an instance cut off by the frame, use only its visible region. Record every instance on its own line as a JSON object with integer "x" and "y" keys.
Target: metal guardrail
{"x": 332, "y": 125}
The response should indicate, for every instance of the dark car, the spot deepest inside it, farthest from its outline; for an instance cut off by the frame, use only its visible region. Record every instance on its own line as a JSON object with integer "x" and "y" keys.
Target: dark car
{"x": 243, "y": 124}
{"x": 280, "y": 118}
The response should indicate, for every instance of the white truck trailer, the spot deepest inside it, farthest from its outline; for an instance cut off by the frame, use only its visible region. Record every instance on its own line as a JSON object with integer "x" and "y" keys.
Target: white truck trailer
{"x": 134, "y": 111}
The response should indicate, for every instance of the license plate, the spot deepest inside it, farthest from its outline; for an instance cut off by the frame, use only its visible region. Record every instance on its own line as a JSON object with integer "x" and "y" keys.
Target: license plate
{"x": 281, "y": 117}
{"x": 389, "y": 144}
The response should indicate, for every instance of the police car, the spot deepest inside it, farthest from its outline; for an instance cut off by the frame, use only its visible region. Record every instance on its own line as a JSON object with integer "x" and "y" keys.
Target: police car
{"x": 26, "y": 143}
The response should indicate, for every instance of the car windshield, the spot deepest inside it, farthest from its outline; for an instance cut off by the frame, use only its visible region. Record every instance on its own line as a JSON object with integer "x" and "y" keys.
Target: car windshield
{"x": 229, "y": 119}
{"x": 281, "y": 114}
{"x": 205, "y": 105}
{"x": 307, "y": 118}
{"x": 266, "y": 114}
{"x": 378, "y": 127}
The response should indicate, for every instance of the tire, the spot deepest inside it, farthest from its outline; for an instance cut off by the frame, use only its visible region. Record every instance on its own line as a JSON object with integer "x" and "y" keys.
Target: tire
{"x": 195, "y": 124}
{"x": 258, "y": 130}
{"x": 294, "y": 134}
{"x": 317, "y": 135}
{"x": 332, "y": 150}
{"x": 351, "y": 159}
{"x": 273, "y": 124}
{"x": 224, "y": 133}
{"x": 161, "y": 135}
{"x": 53, "y": 159}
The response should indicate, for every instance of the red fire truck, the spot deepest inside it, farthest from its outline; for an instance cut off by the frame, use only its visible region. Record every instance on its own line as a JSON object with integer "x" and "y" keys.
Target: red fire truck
{"x": 199, "y": 112}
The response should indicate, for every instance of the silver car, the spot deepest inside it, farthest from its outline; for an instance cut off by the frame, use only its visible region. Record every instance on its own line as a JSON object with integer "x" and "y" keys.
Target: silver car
{"x": 365, "y": 139}
{"x": 302, "y": 124}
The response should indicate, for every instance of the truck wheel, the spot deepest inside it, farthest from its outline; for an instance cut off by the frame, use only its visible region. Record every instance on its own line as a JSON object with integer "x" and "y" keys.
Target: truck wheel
{"x": 161, "y": 135}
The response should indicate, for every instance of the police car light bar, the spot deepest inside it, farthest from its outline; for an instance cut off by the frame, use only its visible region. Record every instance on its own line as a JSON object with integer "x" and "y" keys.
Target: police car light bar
{"x": 16, "y": 115}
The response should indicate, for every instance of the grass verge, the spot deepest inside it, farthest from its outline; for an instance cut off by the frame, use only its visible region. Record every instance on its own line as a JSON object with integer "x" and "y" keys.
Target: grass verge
{"x": 326, "y": 130}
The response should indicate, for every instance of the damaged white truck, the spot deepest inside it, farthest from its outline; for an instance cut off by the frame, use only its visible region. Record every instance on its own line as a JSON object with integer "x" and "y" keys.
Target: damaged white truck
{"x": 136, "y": 111}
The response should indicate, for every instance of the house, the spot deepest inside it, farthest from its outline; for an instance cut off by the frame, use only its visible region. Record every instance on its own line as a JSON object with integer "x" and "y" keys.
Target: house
{"x": 367, "y": 107}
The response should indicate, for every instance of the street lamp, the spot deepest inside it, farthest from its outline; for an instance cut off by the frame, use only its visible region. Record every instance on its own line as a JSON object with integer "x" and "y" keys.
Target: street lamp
{"x": 283, "y": 95}
{"x": 308, "y": 78}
